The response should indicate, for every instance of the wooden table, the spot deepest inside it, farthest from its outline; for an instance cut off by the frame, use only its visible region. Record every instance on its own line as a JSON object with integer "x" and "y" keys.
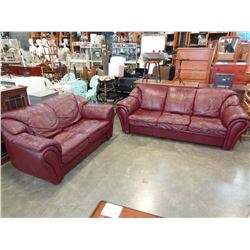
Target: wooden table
{"x": 125, "y": 212}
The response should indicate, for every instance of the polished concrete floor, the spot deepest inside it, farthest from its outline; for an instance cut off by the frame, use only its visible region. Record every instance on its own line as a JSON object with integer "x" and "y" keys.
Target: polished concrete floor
{"x": 164, "y": 177}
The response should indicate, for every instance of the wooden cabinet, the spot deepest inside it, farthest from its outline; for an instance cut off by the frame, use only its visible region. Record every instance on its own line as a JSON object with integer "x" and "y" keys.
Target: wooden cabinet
{"x": 12, "y": 98}
{"x": 238, "y": 69}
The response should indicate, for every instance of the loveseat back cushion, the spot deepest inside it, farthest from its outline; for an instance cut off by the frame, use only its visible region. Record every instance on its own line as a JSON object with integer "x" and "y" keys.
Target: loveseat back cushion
{"x": 153, "y": 96}
{"x": 180, "y": 100}
{"x": 39, "y": 119}
{"x": 66, "y": 109}
{"x": 208, "y": 102}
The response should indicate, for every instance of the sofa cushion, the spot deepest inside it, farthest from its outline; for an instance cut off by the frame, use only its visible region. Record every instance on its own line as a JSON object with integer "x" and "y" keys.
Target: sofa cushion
{"x": 144, "y": 118}
{"x": 66, "y": 109}
{"x": 39, "y": 119}
{"x": 208, "y": 101}
{"x": 153, "y": 96}
{"x": 173, "y": 121}
{"x": 94, "y": 129}
{"x": 207, "y": 126}
{"x": 180, "y": 100}
{"x": 72, "y": 144}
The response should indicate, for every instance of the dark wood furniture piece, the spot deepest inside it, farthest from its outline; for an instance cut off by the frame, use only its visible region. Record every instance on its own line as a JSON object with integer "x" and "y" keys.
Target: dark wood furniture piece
{"x": 238, "y": 69}
{"x": 193, "y": 64}
{"x": 125, "y": 212}
{"x": 12, "y": 98}
{"x": 20, "y": 70}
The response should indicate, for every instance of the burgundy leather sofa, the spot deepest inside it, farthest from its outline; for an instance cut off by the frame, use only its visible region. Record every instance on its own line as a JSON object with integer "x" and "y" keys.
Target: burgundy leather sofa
{"x": 48, "y": 139}
{"x": 208, "y": 116}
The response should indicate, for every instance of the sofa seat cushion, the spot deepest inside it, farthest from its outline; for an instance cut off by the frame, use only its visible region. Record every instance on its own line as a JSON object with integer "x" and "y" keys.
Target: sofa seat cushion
{"x": 144, "y": 118}
{"x": 72, "y": 144}
{"x": 93, "y": 129}
{"x": 207, "y": 126}
{"x": 173, "y": 121}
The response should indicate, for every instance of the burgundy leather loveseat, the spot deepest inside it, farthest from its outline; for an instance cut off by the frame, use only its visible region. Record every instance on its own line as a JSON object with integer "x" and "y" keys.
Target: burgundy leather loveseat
{"x": 206, "y": 116}
{"x": 46, "y": 140}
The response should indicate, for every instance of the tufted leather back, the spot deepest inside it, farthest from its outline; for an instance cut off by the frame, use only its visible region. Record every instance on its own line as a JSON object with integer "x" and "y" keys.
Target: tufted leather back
{"x": 65, "y": 108}
{"x": 153, "y": 96}
{"x": 180, "y": 100}
{"x": 39, "y": 119}
{"x": 208, "y": 102}
{"x": 48, "y": 118}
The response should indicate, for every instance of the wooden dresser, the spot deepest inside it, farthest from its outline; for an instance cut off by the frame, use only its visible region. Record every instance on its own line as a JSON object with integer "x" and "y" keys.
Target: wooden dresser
{"x": 193, "y": 64}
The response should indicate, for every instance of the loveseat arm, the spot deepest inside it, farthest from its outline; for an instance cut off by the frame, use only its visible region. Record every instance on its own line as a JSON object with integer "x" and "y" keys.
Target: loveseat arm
{"x": 40, "y": 157}
{"x": 98, "y": 111}
{"x": 35, "y": 143}
{"x": 237, "y": 122}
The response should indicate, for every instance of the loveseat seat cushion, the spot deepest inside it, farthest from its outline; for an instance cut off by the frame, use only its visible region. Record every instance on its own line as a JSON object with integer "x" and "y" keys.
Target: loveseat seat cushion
{"x": 153, "y": 96}
{"x": 72, "y": 144}
{"x": 66, "y": 109}
{"x": 39, "y": 119}
{"x": 144, "y": 118}
{"x": 207, "y": 126}
{"x": 173, "y": 121}
{"x": 180, "y": 100}
{"x": 94, "y": 129}
{"x": 208, "y": 101}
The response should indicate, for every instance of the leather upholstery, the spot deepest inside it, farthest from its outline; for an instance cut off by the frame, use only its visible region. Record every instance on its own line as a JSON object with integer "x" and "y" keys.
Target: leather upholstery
{"x": 206, "y": 116}
{"x": 208, "y": 101}
{"x": 92, "y": 128}
{"x": 66, "y": 109}
{"x": 180, "y": 100}
{"x": 207, "y": 125}
{"x": 173, "y": 121}
{"x": 144, "y": 118}
{"x": 72, "y": 144}
{"x": 46, "y": 140}
{"x": 40, "y": 119}
{"x": 153, "y": 97}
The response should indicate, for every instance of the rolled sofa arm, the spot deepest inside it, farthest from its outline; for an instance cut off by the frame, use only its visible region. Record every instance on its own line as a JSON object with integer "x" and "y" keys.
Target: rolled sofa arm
{"x": 237, "y": 122}
{"x": 40, "y": 157}
{"x": 124, "y": 108}
{"x": 233, "y": 113}
{"x": 98, "y": 111}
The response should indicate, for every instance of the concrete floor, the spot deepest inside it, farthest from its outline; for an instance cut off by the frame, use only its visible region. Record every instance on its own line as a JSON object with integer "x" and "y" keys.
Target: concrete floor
{"x": 160, "y": 176}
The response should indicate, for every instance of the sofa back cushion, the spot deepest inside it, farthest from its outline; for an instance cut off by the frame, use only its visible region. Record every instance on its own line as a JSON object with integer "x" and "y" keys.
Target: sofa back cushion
{"x": 39, "y": 119}
{"x": 153, "y": 96}
{"x": 208, "y": 101}
{"x": 66, "y": 109}
{"x": 180, "y": 100}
